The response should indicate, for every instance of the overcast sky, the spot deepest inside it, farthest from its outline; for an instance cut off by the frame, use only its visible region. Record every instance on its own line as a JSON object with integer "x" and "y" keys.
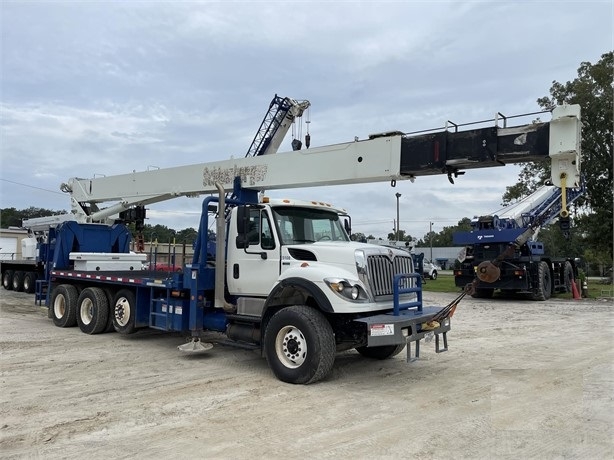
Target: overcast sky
{"x": 103, "y": 88}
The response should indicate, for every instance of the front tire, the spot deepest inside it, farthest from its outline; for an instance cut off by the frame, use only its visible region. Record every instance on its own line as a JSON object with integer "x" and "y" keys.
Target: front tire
{"x": 299, "y": 345}
{"x": 434, "y": 275}
{"x": 124, "y": 312}
{"x": 383, "y": 352}
{"x": 63, "y": 306}
{"x": 92, "y": 311}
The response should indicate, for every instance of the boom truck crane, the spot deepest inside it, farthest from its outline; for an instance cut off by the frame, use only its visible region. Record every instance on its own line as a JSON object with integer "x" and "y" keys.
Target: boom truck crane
{"x": 526, "y": 267}
{"x": 286, "y": 279}
{"x": 21, "y": 274}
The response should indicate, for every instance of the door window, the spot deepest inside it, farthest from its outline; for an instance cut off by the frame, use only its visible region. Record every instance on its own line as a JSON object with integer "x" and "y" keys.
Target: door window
{"x": 260, "y": 232}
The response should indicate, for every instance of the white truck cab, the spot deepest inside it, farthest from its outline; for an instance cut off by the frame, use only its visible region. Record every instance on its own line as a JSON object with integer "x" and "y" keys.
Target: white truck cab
{"x": 280, "y": 241}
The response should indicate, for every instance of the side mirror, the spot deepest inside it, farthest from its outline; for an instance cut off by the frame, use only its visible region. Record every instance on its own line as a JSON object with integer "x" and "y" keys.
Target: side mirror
{"x": 242, "y": 220}
{"x": 242, "y": 242}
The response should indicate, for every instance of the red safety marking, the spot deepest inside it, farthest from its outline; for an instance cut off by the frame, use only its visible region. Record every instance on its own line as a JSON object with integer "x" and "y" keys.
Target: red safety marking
{"x": 99, "y": 277}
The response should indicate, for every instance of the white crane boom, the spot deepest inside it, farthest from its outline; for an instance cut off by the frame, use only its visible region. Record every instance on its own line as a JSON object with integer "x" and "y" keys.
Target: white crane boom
{"x": 388, "y": 157}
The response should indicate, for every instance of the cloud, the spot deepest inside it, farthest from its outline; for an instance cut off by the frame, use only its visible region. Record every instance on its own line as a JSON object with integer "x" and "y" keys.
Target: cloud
{"x": 92, "y": 88}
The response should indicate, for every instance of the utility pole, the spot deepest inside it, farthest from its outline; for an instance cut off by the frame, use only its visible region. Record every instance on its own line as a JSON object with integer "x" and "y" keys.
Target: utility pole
{"x": 431, "y": 239}
{"x": 398, "y": 195}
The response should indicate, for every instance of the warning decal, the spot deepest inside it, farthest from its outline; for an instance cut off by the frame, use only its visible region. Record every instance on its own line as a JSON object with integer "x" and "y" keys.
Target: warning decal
{"x": 381, "y": 329}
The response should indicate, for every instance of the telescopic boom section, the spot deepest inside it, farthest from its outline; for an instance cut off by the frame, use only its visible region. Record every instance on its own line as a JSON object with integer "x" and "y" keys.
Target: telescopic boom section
{"x": 276, "y": 123}
{"x": 451, "y": 152}
{"x": 386, "y": 157}
{"x": 282, "y": 113}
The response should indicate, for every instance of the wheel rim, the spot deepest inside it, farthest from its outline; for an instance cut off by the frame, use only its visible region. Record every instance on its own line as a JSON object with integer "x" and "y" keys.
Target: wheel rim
{"x": 87, "y": 311}
{"x": 59, "y": 306}
{"x": 291, "y": 347}
{"x": 122, "y": 311}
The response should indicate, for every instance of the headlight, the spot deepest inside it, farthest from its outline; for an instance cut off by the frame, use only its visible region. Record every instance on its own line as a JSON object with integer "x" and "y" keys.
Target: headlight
{"x": 348, "y": 289}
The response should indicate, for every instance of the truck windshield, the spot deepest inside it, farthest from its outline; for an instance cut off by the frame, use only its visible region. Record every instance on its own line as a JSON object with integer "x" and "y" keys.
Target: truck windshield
{"x": 308, "y": 225}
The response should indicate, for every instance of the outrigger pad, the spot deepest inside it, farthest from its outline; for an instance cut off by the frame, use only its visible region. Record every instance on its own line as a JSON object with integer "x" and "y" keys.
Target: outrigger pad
{"x": 195, "y": 346}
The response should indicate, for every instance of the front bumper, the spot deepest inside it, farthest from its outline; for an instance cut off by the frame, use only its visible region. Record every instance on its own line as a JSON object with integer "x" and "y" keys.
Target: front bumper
{"x": 389, "y": 329}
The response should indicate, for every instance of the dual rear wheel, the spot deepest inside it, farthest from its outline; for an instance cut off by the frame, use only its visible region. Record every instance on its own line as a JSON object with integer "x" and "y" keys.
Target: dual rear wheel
{"x": 19, "y": 280}
{"x": 94, "y": 309}
{"x": 7, "y": 279}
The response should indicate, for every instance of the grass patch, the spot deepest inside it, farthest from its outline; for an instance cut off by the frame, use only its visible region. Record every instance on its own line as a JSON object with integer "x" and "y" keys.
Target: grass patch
{"x": 445, "y": 283}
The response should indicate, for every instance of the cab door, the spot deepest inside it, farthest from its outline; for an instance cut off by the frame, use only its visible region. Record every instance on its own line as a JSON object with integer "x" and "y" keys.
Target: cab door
{"x": 254, "y": 270}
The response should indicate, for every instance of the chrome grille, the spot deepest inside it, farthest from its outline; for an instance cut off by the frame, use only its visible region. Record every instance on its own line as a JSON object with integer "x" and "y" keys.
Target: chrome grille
{"x": 381, "y": 270}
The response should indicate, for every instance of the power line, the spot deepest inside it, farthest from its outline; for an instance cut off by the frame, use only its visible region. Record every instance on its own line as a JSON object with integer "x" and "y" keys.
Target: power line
{"x": 31, "y": 186}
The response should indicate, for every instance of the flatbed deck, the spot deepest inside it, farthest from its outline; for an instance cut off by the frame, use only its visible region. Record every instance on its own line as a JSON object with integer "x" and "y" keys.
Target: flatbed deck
{"x": 117, "y": 276}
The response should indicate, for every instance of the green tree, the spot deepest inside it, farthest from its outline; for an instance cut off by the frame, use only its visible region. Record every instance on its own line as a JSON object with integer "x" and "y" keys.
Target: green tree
{"x": 11, "y": 217}
{"x": 592, "y": 90}
{"x": 160, "y": 233}
{"x": 402, "y": 236}
{"x": 445, "y": 236}
{"x": 187, "y": 234}
{"x": 530, "y": 178}
{"x": 358, "y": 237}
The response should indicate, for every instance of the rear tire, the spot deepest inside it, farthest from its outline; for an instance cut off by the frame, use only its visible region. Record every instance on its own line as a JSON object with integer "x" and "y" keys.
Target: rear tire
{"x": 18, "y": 281}
{"x": 383, "y": 352}
{"x": 63, "y": 305}
{"x": 110, "y": 297}
{"x": 299, "y": 345}
{"x": 124, "y": 312}
{"x": 92, "y": 311}
{"x": 544, "y": 282}
{"x": 7, "y": 280}
{"x": 568, "y": 276}
{"x": 29, "y": 282}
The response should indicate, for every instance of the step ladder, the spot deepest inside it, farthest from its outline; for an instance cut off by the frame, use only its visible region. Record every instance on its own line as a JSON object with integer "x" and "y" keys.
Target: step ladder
{"x": 41, "y": 293}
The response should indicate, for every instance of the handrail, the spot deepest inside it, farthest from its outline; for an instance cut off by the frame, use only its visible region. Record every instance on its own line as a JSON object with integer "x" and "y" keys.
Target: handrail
{"x": 398, "y": 290}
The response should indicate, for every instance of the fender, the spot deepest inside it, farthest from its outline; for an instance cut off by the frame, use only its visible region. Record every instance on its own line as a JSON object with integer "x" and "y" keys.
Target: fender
{"x": 290, "y": 286}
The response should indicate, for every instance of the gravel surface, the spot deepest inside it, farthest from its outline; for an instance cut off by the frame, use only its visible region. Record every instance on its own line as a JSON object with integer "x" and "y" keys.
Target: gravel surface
{"x": 521, "y": 379}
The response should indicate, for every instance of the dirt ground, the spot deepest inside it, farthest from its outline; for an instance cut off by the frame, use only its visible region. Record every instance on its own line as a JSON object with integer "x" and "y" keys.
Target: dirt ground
{"x": 521, "y": 379}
